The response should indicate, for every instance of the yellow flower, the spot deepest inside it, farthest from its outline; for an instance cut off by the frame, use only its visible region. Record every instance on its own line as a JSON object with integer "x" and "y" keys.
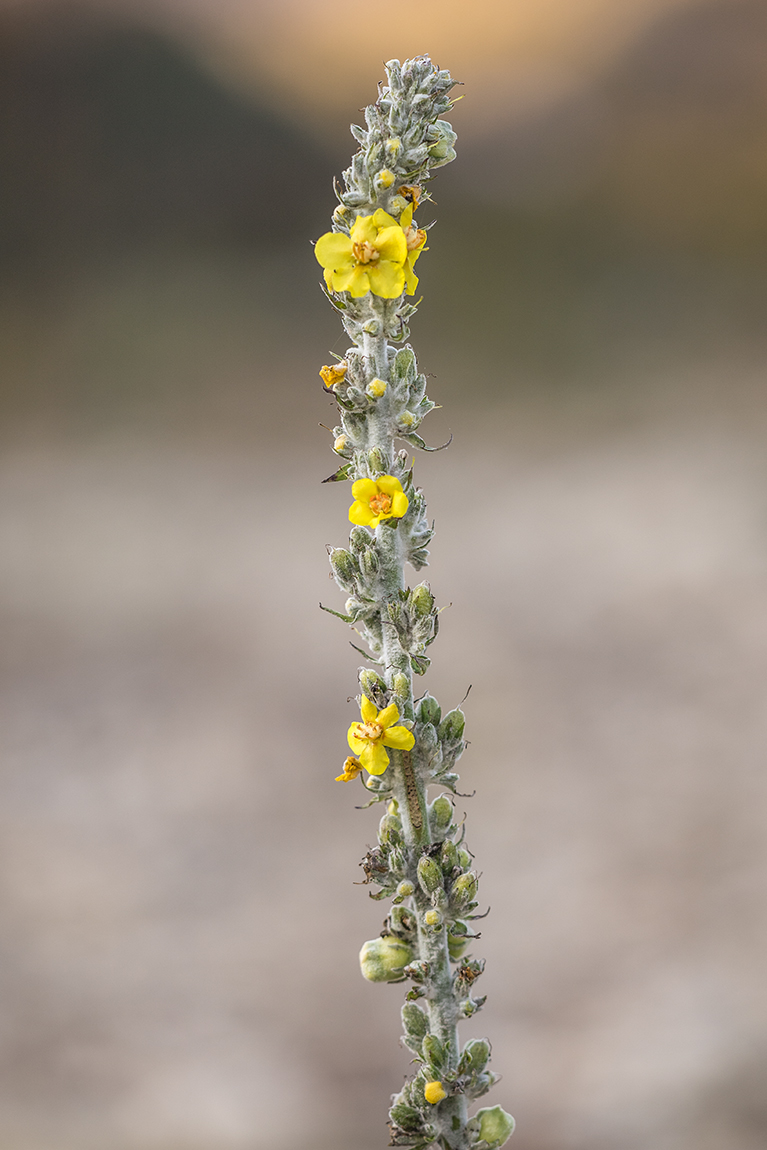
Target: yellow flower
{"x": 352, "y": 768}
{"x": 376, "y": 731}
{"x": 377, "y": 499}
{"x": 434, "y": 1092}
{"x": 372, "y": 258}
{"x": 334, "y": 373}
{"x": 377, "y": 388}
{"x": 415, "y": 238}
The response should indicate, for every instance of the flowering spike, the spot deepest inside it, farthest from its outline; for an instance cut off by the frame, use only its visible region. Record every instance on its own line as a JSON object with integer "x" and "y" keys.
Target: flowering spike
{"x": 401, "y": 748}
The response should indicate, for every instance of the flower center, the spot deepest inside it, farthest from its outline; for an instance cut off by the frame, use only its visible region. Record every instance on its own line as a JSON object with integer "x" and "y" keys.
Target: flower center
{"x": 414, "y": 237}
{"x": 370, "y": 731}
{"x": 365, "y": 253}
{"x": 380, "y": 503}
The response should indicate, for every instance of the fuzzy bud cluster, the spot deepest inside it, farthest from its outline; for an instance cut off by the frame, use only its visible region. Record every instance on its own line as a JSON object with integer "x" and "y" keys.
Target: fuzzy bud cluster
{"x": 403, "y": 138}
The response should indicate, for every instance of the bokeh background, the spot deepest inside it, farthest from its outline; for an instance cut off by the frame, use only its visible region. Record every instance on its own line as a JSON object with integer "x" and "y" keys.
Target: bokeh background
{"x": 179, "y": 925}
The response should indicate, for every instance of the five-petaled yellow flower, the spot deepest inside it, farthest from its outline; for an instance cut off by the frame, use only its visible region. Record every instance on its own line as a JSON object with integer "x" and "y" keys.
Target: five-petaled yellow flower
{"x": 376, "y": 731}
{"x": 377, "y": 499}
{"x": 372, "y": 258}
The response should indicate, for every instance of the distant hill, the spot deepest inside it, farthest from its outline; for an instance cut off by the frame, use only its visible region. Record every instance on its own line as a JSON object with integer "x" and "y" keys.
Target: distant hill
{"x": 112, "y": 135}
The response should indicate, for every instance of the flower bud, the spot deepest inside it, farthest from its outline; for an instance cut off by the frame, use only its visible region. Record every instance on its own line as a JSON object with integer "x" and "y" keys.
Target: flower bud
{"x": 495, "y": 1126}
{"x": 464, "y": 858}
{"x": 464, "y": 888}
{"x": 372, "y": 327}
{"x": 429, "y": 874}
{"x": 432, "y": 918}
{"x": 405, "y": 888}
{"x": 415, "y": 1020}
{"x": 442, "y": 150}
{"x": 434, "y": 1051}
{"x": 402, "y": 920}
{"x": 422, "y": 600}
{"x": 434, "y": 1092}
{"x": 385, "y": 178}
{"x": 370, "y": 682}
{"x": 476, "y": 1053}
{"x": 383, "y": 959}
{"x": 390, "y": 831}
{"x": 401, "y": 685}
{"x": 403, "y": 366}
{"x": 440, "y": 814}
{"x": 376, "y": 388}
{"x": 449, "y": 856}
{"x": 405, "y": 1117}
{"x": 429, "y": 710}
{"x": 406, "y": 420}
{"x": 344, "y": 567}
{"x": 456, "y": 945}
{"x": 369, "y": 563}
{"x": 359, "y": 539}
{"x": 378, "y": 460}
{"x": 451, "y": 727}
{"x": 340, "y": 443}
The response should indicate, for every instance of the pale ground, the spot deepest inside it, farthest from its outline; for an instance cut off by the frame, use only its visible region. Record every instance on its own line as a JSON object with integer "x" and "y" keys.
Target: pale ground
{"x": 180, "y": 928}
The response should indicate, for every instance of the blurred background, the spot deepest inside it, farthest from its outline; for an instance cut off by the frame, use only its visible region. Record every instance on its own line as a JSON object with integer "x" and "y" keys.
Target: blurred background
{"x": 180, "y": 929}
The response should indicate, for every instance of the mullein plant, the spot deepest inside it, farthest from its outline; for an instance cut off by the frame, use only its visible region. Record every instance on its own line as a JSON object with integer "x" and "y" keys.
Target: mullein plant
{"x": 402, "y": 746}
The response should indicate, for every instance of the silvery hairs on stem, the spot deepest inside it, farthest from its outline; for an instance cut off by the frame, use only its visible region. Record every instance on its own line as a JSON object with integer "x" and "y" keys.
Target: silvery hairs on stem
{"x": 401, "y": 746}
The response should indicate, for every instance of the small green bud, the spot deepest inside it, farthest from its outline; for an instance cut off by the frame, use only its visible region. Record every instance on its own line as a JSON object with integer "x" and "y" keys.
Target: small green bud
{"x": 359, "y": 539}
{"x": 464, "y": 889}
{"x": 344, "y": 567}
{"x": 402, "y": 920}
{"x": 405, "y": 888}
{"x": 429, "y": 874}
{"x": 475, "y": 1055}
{"x": 372, "y": 327}
{"x": 495, "y": 1126}
{"x": 451, "y": 727}
{"x": 378, "y": 460}
{"x": 442, "y": 150}
{"x": 433, "y": 918}
{"x": 440, "y": 814}
{"x": 405, "y": 1117}
{"x": 415, "y": 1020}
{"x": 449, "y": 856}
{"x": 422, "y": 600}
{"x": 433, "y": 1050}
{"x": 404, "y": 362}
{"x": 401, "y": 685}
{"x": 383, "y": 959}
{"x": 369, "y": 563}
{"x": 370, "y": 682}
{"x": 429, "y": 710}
{"x": 390, "y": 831}
{"x": 464, "y": 858}
{"x": 456, "y": 945}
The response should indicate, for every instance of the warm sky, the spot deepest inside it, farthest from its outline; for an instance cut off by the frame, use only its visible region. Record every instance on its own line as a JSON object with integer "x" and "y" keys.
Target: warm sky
{"x": 323, "y": 57}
